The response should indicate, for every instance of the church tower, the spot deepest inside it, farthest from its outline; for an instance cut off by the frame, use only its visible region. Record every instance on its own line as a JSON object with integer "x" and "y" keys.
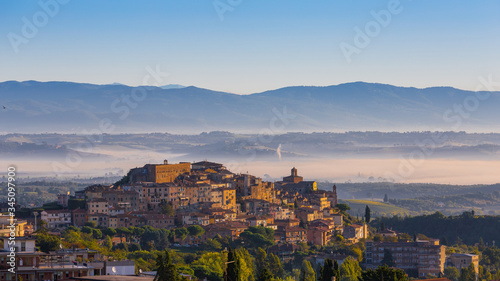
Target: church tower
{"x": 293, "y": 177}
{"x": 333, "y": 198}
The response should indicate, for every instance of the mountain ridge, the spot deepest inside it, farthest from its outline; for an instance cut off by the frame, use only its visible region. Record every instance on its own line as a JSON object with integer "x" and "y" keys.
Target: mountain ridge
{"x": 34, "y": 106}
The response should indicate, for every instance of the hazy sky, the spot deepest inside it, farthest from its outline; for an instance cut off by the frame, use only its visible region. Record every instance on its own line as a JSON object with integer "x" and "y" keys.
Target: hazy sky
{"x": 255, "y": 45}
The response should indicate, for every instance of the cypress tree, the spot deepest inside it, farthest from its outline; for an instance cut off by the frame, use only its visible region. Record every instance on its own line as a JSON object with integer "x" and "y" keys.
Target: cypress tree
{"x": 166, "y": 270}
{"x": 328, "y": 271}
{"x": 368, "y": 214}
{"x": 336, "y": 270}
{"x": 233, "y": 269}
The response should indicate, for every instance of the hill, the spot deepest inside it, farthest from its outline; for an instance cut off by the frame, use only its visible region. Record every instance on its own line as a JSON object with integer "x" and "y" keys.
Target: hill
{"x": 378, "y": 209}
{"x": 33, "y": 106}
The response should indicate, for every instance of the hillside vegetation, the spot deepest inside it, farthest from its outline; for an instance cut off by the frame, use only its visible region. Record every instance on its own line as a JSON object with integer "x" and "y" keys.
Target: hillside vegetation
{"x": 467, "y": 227}
{"x": 378, "y": 209}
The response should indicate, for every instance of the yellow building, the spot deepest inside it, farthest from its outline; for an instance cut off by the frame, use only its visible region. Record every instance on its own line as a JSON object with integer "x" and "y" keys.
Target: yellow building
{"x": 228, "y": 200}
{"x": 5, "y": 230}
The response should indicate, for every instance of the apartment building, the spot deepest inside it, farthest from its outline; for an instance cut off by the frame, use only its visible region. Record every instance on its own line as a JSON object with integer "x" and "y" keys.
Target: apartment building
{"x": 426, "y": 257}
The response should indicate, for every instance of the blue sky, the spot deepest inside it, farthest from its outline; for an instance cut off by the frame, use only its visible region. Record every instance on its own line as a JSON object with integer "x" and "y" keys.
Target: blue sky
{"x": 258, "y": 45}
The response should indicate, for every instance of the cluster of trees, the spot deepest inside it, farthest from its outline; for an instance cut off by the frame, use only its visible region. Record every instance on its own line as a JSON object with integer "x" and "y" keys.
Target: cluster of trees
{"x": 239, "y": 265}
{"x": 467, "y": 227}
{"x": 469, "y": 274}
{"x": 250, "y": 259}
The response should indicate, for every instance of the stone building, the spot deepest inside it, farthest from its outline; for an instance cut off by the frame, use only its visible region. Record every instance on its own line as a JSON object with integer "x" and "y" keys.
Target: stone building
{"x": 159, "y": 173}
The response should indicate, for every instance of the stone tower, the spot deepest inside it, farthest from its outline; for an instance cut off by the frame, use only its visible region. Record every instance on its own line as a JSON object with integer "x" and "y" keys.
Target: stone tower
{"x": 333, "y": 196}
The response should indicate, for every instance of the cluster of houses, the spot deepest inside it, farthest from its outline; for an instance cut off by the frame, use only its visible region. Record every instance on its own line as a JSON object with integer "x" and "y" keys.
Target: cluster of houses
{"x": 207, "y": 194}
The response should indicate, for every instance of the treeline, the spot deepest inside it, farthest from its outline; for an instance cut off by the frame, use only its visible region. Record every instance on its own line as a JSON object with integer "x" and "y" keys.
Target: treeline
{"x": 378, "y": 190}
{"x": 240, "y": 265}
{"x": 466, "y": 228}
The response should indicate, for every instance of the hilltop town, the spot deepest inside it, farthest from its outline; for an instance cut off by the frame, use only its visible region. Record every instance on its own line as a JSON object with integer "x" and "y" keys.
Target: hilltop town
{"x": 204, "y": 206}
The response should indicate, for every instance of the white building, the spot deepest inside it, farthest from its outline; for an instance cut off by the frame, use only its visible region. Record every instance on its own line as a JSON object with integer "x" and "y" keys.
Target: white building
{"x": 56, "y": 218}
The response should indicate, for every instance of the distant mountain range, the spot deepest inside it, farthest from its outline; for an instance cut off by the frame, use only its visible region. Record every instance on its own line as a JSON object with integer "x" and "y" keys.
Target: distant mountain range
{"x": 33, "y": 106}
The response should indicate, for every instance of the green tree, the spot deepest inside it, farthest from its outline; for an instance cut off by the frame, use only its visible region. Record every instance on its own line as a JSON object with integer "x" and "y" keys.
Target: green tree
{"x": 350, "y": 268}
{"x": 232, "y": 270}
{"x": 327, "y": 272}
{"x": 265, "y": 275}
{"x": 481, "y": 246}
{"x": 166, "y": 270}
{"x": 336, "y": 270}
{"x": 195, "y": 230}
{"x": 123, "y": 231}
{"x": 137, "y": 231}
{"x": 133, "y": 247}
{"x": 87, "y": 229}
{"x": 343, "y": 207}
{"x": 468, "y": 274}
{"x": 388, "y": 260}
{"x": 246, "y": 264}
{"x": 255, "y": 237}
{"x": 483, "y": 275}
{"x": 307, "y": 272}
{"x": 210, "y": 265}
{"x": 261, "y": 260}
{"x": 384, "y": 273}
{"x": 108, "y": 243}
{"x": 211, "y": 245}
{"x": 96, "y": 234}
{"x": 47, "y": 242}
{"x": 275, "y": 265}
{"x": 92, "y": 224}
{"x": 368, "y": 214}
{"x": 491, "y": 258}
{"x": 181, "y": 233}
{"x": 452, "y": 273}
{"x": 386, "y": 198}
{"x": 109, "y": 231}
{"x": 319, "y": 272}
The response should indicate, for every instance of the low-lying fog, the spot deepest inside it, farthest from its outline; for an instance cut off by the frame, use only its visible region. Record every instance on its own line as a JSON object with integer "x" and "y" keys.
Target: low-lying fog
{"x": 446, "y": 171}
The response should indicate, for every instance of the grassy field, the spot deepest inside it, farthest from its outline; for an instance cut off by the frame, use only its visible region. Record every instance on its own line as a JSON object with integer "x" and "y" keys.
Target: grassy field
{"x": 378, "y": 209}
